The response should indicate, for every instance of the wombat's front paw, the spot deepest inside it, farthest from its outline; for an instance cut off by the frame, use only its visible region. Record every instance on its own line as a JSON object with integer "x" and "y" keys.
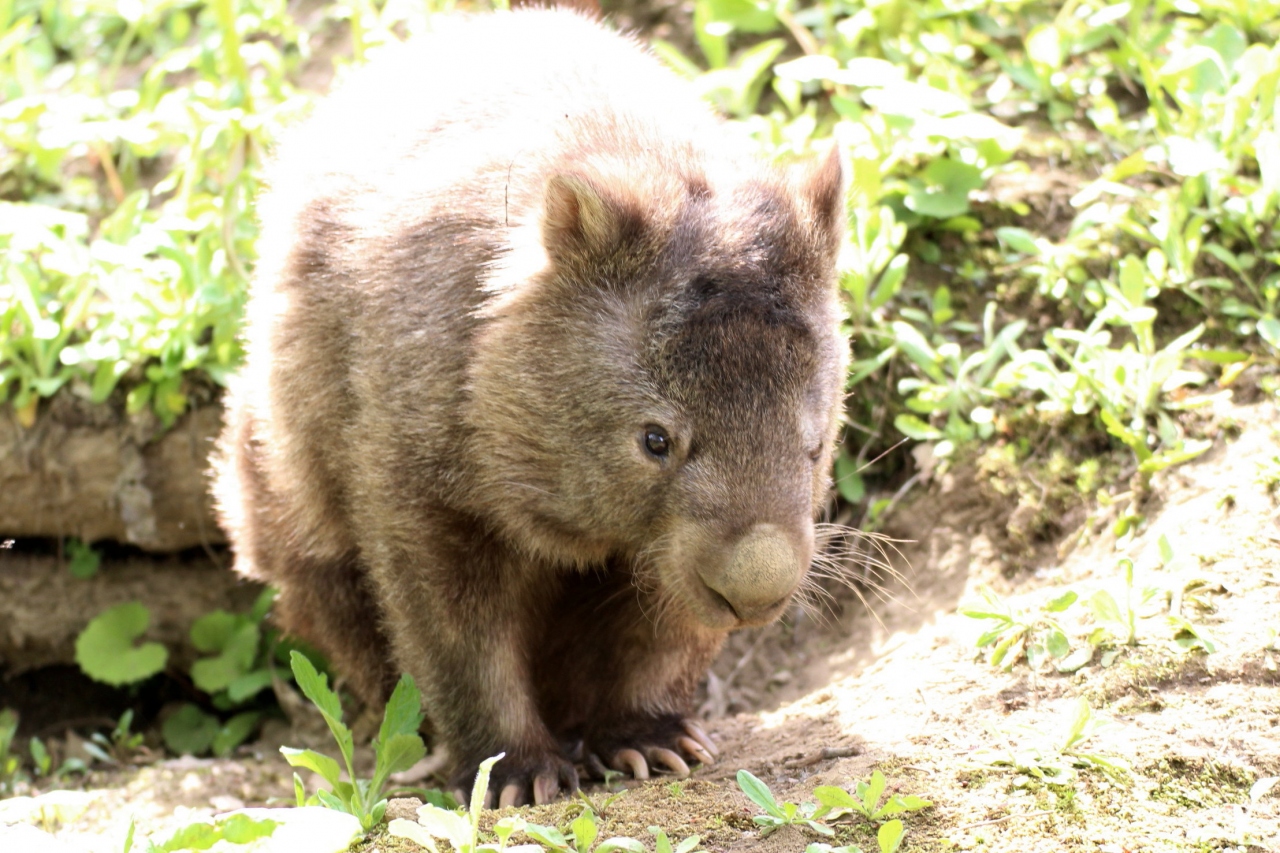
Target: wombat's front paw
{"x": 662, "y": 744}
{"x": 516, "y": 781}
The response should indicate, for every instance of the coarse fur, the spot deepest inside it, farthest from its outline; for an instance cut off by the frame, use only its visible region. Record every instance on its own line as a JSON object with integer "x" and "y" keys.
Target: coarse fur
{"x": 543, "y": 377}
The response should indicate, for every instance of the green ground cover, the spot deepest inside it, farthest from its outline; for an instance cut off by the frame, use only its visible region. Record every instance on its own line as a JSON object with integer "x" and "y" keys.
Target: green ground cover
{"x": 1059, "y": 210}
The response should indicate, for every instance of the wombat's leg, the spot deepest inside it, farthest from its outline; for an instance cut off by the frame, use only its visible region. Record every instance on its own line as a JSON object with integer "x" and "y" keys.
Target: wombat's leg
{"x": 459, "y": 608}
{"x": 329, "y": 604}
{"x": 324, "y": 597}
{"x": 618, "y": 670}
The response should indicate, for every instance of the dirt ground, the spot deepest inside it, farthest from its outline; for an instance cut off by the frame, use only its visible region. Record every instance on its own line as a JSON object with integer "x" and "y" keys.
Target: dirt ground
{"x": 899, "y": 686}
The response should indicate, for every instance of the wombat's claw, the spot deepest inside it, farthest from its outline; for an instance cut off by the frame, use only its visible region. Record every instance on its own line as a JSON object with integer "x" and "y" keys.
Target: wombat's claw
{"x": 673, "y": 761}
{"x": 630, "y": 761}
{"x": 545, "y": 789}
{"x": 699, "y": 734}
{"x": 661, "y": 760}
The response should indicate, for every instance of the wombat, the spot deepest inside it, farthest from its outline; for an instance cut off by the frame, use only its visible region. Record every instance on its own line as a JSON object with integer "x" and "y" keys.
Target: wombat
{"x": 543, "y": 376}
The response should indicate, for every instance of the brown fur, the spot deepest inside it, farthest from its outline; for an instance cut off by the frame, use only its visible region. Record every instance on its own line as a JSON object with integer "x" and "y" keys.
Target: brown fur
{"x": 489, "y": 265}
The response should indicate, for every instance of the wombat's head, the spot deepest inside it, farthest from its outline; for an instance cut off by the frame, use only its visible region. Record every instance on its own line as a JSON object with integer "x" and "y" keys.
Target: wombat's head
{"x": 666, "y": 388}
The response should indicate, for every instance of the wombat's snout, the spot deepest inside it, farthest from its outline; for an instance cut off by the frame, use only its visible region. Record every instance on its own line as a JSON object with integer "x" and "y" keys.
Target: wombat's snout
{"x": 760, "y": 572}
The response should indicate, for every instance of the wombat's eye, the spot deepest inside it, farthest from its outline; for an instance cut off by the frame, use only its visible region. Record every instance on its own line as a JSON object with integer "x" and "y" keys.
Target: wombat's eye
{"x": 815, "y": 454}
{"x": 656, "y": 441}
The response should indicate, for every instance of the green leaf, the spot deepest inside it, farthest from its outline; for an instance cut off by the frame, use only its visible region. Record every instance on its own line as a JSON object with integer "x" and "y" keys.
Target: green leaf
{"x": 481, "y": 787}
{"x": 248, "y": 685}
{"x": 1044, "y": 47}
{"x": 105, "y": 650}
{"x": 242, "y": 829}
{"x": 942, "y": 191}
{"x": 890, "y": 836}
{"x": 848, "y": 480}
{"x": 833, "y": 797}
{"x": 584, "y": 830}
{"x": 415, "y": 832}
{"x": 313, "y": 761}
{"x": 397, "y": 753}
{"x": 547, "y": 835}
{"x": 1105, "y": 608}
{"x": 211, "y": 632}
{"x": 1018, "y": 240}
{"x": 871, "y": 793}
{"x": 237, "y": 655}
{"x": 190, "y": 731}
{"x": 235, "y": 731}
{"x": 316, "y": 688}
{"x": 1269, "y": 330}
{"x": 1062, "y": 602}
{"x": 914, "y": 428}
{"x": 82, "y": 560}
{"x": 403, "y": 713}
{"x": 758, "y": 792}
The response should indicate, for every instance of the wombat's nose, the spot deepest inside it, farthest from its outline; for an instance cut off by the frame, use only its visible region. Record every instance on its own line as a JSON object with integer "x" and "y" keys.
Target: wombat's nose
{"x": 761, "y": 572}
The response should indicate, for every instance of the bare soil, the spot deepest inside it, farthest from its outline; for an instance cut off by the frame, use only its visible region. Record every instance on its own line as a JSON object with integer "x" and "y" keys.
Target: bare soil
{"x": 898, "y": 685}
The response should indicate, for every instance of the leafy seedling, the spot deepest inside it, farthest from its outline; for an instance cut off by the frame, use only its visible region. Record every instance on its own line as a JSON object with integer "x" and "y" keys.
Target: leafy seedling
{"x": 1017, "y": 633}
{"x": 777, "y": 815}
{"x": 118, "y": 747}
{"x": 865, "y": 800}
{"x": 82, "y": 561}
{"x": 397, "y": 746}
{"x": 1055, "y": 760}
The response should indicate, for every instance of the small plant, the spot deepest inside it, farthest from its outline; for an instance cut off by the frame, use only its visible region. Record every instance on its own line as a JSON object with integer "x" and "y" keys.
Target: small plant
{"x": 583, "y": 831}
{"x": 82, "y": 560}
{"x": 1017, "y": 633}
{"x": 777, "y": 815}
{"x": 118, "y": 747}
{"x": 397, "y": 746}
{"x": 866, "y": 800}
{"x": 461, "y": 829}
{"x": 888, "y": 839}
{"x": 237, "y": 667}
{"x": 1055, "y": 760}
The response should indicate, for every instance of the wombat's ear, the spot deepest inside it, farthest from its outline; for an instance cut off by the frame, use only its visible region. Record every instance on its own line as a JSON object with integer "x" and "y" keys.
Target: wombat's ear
{"x": 585, "y": 216}
{"x": 825, "y": 188}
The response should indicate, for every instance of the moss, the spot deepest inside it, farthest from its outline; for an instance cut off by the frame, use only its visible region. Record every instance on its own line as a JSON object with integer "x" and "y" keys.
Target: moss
{"x": 1198, "y": 784}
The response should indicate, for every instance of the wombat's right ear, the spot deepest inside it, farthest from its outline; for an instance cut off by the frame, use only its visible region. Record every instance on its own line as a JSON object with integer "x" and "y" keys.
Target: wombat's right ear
{"x": 584, "y": 216}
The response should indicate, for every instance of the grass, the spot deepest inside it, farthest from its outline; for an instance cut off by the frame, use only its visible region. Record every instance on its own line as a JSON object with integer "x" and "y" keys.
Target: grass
{"x": 133, "y": 136}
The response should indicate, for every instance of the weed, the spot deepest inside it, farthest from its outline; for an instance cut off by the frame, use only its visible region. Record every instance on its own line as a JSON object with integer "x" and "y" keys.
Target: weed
{"x": 777, "y": 815}
{"x": 120, "y": 746}
{"x": 461, "y": 829}
{"x": 1055, "y": 758}
{"x": 865, "y": 800}
{"x": 834, "y": 803}
{"x": 1017, "y": 633}
{"x": 397, "y": 746}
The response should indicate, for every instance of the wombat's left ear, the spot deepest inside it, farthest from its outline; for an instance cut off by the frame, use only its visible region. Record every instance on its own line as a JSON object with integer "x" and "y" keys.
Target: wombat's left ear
{"x": 825, "y": 188}
{"x": 585, "y": 215}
